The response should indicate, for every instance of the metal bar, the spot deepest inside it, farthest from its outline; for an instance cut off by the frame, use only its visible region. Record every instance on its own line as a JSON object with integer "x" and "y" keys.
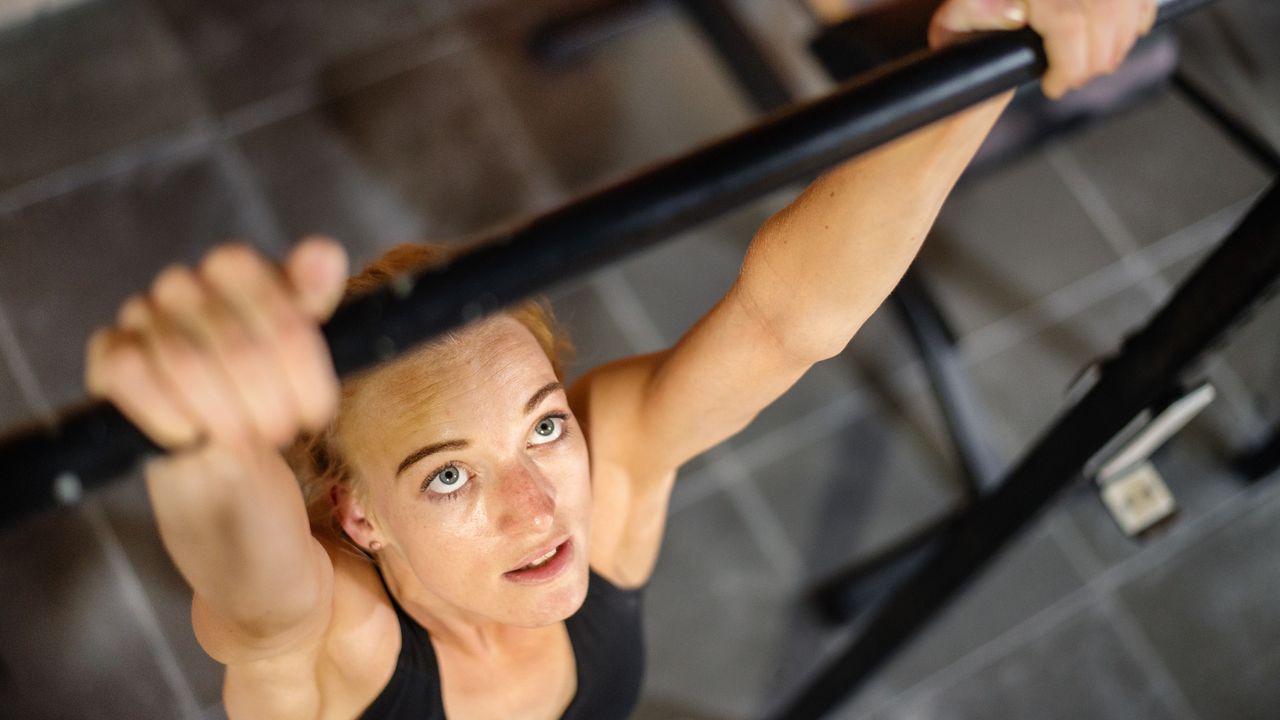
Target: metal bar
{"x": 90, "y": 446}
{"x": 961, "y": 410}
{"x": 741, "y": 54}
{"x": 1238, "y": 276}
{"x": 1245, "y": 137}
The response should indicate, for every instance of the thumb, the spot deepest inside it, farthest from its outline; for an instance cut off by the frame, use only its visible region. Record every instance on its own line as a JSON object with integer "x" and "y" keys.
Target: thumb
{"x": 957, "y": 18}
{"x": 317, "y": 269}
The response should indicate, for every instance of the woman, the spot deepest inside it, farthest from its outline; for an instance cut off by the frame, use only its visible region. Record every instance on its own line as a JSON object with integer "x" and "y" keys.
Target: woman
{"x": 471, "y": 535}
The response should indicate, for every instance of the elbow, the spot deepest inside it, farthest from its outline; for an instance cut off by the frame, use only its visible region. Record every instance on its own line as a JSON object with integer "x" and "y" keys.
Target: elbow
{"x": 803, "y": 335}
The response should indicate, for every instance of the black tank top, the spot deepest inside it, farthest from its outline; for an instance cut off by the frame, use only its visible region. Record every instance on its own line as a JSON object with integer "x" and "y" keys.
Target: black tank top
{"x": 607, "y": 649}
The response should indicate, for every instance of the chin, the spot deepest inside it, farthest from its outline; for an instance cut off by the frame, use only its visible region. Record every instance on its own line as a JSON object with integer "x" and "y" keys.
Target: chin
{"x": 555, "y": 603}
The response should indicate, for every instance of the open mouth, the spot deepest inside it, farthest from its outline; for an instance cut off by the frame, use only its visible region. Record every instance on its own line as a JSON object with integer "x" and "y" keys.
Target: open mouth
{"x": 543, "y": 567}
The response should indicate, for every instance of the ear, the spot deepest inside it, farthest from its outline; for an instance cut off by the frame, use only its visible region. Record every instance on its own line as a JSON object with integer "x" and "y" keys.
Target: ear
{"x": 354, "y": 517}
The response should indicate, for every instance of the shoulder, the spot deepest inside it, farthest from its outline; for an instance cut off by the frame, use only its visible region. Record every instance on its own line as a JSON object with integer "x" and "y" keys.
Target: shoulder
{"x": 609, "y": 403}
{"x": 362, "y": 641}
{"x": 340, "y": 666}
{"x": 629, "y": 498}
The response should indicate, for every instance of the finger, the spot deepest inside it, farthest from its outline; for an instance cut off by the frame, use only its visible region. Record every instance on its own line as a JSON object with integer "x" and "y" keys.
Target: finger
{"x": 1149, "y": 13}
{"x": 179, "y": 346}
{"x": 1103, "y": 20}
{"x": 1063, "y": 26}
{"x": 317, "y": 269}
{"x": 244, "y": 357}
{"x": 1128, "y": 29}
{"x": 260, "y": 295}
{"x": 134, "y": 314}
{"x": 118, "y": 370}
{"x": 957, "y": 18}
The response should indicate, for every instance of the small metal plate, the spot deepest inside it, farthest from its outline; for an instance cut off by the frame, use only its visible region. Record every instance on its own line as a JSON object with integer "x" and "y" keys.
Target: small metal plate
{"x": 1138, "y": 499}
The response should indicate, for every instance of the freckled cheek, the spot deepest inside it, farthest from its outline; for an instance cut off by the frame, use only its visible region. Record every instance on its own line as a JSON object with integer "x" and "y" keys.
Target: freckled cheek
{"x": 453, "y": 545}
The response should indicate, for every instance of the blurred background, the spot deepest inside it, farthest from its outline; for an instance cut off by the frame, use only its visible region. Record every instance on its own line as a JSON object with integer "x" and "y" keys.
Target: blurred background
{"x": 138, "y": 133}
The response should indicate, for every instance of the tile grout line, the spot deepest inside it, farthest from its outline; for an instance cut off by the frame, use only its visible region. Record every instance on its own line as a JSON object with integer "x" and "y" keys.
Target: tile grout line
{"x": 143, "y": 609}
{"x": 544, "y": 181}
{"x": 1066, "y": 302}
{"x": 771, "y": 538}
{"x": 225, "y": 151}
{"x": 1082, "y": 559}
{"x": 194, "y": 136}
{"x": 1190, "y": 535}
{"x": 16, "y": 360}
{"x": 998, "y": 336}
{"x": 1136, "y": 643}
{"x": 1130, "y": 634}
{"x": 627, "y": 310}
{"x": 302, "y": 98}
{"x": 121, "y": 567}
{"x": 1153, "y": 284}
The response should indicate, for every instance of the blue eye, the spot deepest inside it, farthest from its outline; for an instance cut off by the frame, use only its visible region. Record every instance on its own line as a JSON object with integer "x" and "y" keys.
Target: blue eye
{"x": 448, "y": 479}
{"x": 548, "y": 429}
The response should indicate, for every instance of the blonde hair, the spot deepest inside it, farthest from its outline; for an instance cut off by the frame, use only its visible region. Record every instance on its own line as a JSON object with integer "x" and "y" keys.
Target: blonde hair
{"x": 317, "y": 459}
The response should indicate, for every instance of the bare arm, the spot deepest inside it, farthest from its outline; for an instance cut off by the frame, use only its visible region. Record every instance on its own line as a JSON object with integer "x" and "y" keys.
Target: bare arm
{"x": 818, "y": 269}
{"x": 227, "y": 358}
{"x": 813, "y": 274}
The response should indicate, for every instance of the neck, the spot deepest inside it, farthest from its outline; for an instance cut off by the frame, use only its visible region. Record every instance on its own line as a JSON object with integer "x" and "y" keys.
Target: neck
{"x": 450, "y": 627}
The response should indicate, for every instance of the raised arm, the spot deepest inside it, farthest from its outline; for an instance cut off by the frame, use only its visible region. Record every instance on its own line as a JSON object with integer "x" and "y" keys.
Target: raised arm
{"x": 818, "y": 269}
{"x": 226, "y": 360}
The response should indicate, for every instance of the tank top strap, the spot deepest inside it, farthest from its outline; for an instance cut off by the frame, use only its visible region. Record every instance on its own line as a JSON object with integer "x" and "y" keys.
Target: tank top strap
{"x": 608, "y": 646}
{"x": 414, "y": 689}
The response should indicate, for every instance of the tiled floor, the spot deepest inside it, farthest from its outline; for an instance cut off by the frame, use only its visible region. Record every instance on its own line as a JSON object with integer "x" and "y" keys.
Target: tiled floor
{"x": 141, "y": 132}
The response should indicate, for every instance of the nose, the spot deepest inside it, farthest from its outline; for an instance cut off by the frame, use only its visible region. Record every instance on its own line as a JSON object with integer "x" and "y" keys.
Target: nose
{"x": 528, "y": 500}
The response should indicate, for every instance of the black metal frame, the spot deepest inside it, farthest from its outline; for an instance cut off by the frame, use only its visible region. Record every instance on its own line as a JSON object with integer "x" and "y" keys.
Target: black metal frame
{"x": 1241, "y": 274}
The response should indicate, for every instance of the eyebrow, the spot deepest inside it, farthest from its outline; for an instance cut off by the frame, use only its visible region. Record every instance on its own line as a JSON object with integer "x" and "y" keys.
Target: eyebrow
{"x": 541, "y": 395}
{"x": 422, "y": 452}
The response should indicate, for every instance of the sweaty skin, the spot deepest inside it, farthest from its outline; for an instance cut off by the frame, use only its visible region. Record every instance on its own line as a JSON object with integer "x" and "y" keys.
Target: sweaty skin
{"x": 223, "y": 364}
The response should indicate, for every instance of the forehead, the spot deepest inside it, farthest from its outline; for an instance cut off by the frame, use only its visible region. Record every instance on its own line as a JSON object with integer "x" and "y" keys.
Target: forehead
{"x": 457, "y": 387}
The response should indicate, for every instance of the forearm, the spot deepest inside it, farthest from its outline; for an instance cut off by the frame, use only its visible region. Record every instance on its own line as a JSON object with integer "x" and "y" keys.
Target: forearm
{"x": 235, "y": 525}
{"x": 818, "y": 268}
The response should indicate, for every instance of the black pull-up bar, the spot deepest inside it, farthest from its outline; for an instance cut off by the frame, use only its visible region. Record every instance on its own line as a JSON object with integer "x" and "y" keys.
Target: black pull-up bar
{"x": 91, "y": 445}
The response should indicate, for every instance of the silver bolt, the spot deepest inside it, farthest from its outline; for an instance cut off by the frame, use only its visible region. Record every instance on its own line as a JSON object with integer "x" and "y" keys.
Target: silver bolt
{"x": 67, "y": 488}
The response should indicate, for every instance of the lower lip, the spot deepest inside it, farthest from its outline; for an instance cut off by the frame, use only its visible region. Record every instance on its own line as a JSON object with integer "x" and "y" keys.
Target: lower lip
{"x": 546, "y": 571}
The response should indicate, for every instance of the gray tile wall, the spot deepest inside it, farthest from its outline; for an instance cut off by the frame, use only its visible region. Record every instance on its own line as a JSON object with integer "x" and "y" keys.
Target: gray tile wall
{"x": 138, "y": 133}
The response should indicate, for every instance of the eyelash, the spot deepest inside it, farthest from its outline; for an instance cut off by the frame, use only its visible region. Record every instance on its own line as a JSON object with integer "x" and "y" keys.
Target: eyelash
{"x": 564, "y": 433}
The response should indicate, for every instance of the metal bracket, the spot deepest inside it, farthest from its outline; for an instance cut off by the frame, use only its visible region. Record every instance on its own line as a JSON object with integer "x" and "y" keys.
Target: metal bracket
{"x": 1131, "y": 488}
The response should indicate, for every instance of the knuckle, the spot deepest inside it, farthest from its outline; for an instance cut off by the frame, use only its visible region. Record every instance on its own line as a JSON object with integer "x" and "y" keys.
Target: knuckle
{"x": 296, "y": 338}
{"x": 122, "y": 365}
{"x": 241, "y": 355}
{"x": 173, "y": 285}
{"x": 183, "y": 362}
{"x": 133, "y": 312}
{"x": 231, "y": 261}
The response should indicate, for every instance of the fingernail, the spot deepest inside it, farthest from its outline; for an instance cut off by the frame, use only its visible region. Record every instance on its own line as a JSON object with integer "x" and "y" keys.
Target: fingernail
{"x": 1016, "y": 13}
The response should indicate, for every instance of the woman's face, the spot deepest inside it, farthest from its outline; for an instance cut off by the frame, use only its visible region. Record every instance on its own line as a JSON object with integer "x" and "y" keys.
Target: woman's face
{"x": 474, "y": 470}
